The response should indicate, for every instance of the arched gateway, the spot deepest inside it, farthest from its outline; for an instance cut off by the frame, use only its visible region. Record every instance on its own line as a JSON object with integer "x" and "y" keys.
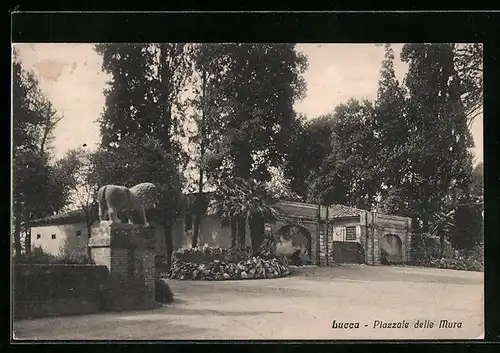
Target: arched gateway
{"x": 294, "y": 238}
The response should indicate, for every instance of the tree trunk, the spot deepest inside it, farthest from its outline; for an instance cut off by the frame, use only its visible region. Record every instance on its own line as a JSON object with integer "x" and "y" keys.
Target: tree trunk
{"x": 426, "y": 223}
{"x": 198, "y": 210}
{"x": 17, "y": 229}
{"x": 241, "y": 231}
{"x": 196, "y": 229}
{"x": 234, "y": 232}
{"x": 414, "y": 224}
{"x": 168, "y": 244}
{"x": 242, "y": 162}
{"x": 88, "y": 221}
{"x": 165, "y": 105}
{"x": 256, "y": 233}
{"x": 441, "y": 243}
{"x": 27, "y": 240}
{"x": 49, "y": 126}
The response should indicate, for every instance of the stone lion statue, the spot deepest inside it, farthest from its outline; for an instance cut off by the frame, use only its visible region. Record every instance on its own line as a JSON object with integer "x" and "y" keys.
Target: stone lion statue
{"x": 115, "y": 198}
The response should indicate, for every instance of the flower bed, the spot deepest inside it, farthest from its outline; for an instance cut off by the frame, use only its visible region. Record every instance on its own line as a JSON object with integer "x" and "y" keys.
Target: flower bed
{"x": 465, "y": 264}
{"x": 214, "y": 263}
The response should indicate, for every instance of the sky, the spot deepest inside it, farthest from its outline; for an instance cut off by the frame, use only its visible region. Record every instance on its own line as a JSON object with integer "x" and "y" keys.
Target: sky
{"x": 71, "y": 77}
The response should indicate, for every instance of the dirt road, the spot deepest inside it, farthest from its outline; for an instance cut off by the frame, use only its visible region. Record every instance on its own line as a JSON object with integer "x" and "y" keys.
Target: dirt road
{"x": 302, "y": 306}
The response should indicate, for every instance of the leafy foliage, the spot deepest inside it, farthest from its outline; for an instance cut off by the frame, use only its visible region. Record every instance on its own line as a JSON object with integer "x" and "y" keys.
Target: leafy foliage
{"x": 141, "y": 125}
{"x": 254, "y": 97}
{"x": 469, "y": 66}
{"x": 440, "y": 160}
{"x": 425, "y": 251}
{"x": 39, "y": 256}
{"x": 77, "y": 171}
{"x": 468, "y": 231}
{"x": 163, "y": 293}
{"x": 140, "y": 159}
{"x": 309, "y": 145}
{"x": 238, "y": 201}
{"x": 37, "y": 192}
{"x": 392, "y": 131}
{"x": 441, "y": 225}
{"x": 477, "y": 182}
{"x": 143, "y": 97}
{"x": 348, "y": 175}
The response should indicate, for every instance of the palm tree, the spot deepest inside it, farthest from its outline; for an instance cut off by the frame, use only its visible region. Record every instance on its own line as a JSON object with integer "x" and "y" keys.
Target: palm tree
{"x": 225, "y": 205}
{"x": 239, "y": 201}
{"x": 441, "y": 225}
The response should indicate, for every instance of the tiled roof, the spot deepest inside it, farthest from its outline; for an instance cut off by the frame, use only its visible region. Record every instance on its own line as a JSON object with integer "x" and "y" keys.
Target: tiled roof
{"x": 70, "y": 217}
{"x": 343, "y": 211}
{"x": 335, "y": 211}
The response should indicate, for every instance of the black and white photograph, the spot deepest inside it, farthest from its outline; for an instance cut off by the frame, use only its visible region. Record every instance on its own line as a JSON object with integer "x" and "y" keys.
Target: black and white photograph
{"x": 247, "y": 191}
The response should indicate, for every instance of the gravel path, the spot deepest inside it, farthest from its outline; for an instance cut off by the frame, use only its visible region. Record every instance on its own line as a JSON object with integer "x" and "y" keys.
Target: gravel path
{"x": 301, "y": 306}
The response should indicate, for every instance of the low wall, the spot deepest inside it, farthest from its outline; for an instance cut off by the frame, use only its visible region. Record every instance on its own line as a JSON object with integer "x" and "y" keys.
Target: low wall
{"x": 51, "y": 290}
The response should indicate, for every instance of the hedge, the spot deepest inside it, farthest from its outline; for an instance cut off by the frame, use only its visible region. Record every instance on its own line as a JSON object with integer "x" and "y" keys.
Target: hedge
{"x": 39, "y": 256}
{"x": 425, "y": 252}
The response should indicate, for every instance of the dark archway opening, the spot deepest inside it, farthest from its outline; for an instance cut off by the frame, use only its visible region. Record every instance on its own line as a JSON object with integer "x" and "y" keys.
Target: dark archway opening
{"x": 391, "y": 249}
{"x": 297, "y": 243}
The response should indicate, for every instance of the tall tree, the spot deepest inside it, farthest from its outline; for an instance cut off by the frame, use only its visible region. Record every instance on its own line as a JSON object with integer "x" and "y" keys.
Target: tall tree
{"x": 439, "y": 139}
{"x": 255, "y": 95}
{"x": 260, "y": 84}
{"x": 208, "y": 64}
{"x": 477, "y": 182}
{"x": 249, "y": 200}
{"x": 349, "y": 174}
{"x": 144, "y": 96}
{"x": 310, "y": 143}
{"x": 36, "y": 193}
{"x": 76, "y": 170}
{"x": 391, "y": 129}
{"x": 130, "y": 100}
{"x": 469, "y": 66}
{"x": 144, "y": 100}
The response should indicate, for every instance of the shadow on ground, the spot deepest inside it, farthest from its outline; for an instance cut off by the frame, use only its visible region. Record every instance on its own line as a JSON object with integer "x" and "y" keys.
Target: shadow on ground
{"x": 356, "y": 273}
{"x": 211, "y": 312}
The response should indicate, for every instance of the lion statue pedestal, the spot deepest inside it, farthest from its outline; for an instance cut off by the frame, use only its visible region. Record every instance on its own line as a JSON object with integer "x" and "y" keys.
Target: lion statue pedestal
{"x": 128, "y": 251}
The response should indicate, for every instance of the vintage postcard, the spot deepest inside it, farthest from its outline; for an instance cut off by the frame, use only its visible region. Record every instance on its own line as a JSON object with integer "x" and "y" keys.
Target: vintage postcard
{"x": 238, "y": 191}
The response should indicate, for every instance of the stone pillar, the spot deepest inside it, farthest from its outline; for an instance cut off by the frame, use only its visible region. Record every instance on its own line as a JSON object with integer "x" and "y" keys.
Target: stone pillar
{"x": 329, "y": 237}
{"x": 322, "y": 245}
{"x": 363, "y": 235}
{"x": 408, "y": 240}
{"x": 376, "y": 240}
{"x": 369, "y": 238}
{"x": 128, "y": 250}
{"x": 376, "y": 247}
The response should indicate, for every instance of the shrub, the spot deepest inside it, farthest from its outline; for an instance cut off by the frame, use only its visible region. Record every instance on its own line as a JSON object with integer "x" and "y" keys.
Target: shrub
{"x": 425, "y": 247}
{"x": 38, "y": 256}
{"x": 426, "y": 252}
{"x": 204, "y": 254}
{"x": 163, "y": 293}
{"x": 215, "y": 263}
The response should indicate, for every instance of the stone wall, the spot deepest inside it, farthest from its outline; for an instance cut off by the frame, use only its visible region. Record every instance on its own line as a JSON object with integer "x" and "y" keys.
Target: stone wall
{"x": 51, "y": 290}
{"x": 324, "y": 225}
